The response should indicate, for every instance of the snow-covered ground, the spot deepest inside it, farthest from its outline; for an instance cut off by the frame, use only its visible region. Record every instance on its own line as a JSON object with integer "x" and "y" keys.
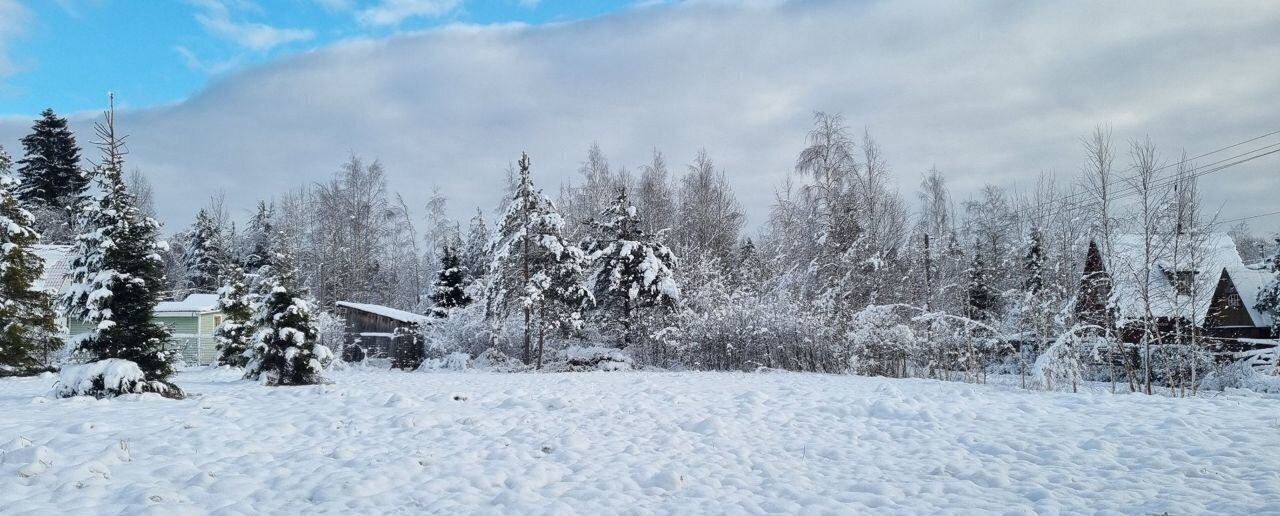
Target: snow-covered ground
{"x": 380, "y": 442}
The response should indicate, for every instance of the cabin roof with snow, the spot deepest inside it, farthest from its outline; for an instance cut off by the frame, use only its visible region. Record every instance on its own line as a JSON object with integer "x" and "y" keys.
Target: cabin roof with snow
{"x": 1178, "y": 268}
{"x": 194, "y": 304}
{"x": 385, "y": 311}
{"x": 57, "y": 267}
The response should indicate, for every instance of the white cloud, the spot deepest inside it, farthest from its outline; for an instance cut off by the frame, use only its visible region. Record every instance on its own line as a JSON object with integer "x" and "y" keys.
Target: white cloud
{"x": 335, "y": 5}
{"x": 215, "y": 17}
{"x": 993, "y": 93}
{"x": 13, "y": 19}
{"x": 393, "y": 12}
{"x": 194, "y": 62}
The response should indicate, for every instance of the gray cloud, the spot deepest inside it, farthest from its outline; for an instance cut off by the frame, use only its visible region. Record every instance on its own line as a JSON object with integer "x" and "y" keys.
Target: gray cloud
{"x": 991, "y": 93}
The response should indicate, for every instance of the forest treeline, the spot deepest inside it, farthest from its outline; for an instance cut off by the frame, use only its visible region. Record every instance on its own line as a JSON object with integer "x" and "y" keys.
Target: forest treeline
{"x": 843, "y": 276}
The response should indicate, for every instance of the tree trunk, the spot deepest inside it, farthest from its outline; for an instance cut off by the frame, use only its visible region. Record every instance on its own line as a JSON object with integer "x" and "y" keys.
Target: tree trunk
{"x": 542, "y": 330}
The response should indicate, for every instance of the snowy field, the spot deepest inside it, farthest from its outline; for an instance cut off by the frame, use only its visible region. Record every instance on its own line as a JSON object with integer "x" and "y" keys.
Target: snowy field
{"x": 632, "y": 443}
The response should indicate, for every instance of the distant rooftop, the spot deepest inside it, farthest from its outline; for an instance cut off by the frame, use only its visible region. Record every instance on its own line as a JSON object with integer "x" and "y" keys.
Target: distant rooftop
{"x": 57, "y": 265}
{"x": 193, "y": 303}
{"x": 388, "y": 312}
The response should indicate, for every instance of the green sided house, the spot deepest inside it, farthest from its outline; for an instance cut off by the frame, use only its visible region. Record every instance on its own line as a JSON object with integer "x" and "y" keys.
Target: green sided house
{"x": 191, "y": 320}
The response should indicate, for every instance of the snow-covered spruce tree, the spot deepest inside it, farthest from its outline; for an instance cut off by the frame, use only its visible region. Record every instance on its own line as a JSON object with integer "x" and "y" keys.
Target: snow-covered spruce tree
{"x": 631, "y": 270}
{"x": 257, "y": 239}
{"x": 285, "y": 348}
{"x": 751, "y": 271}
{"x": 117, "y": 273}
{"x": 534, "y": 269}
{"x": 203, "y": 255}
{"x": 28, "y": 331}
{"x": 52, "y": 187}
{"x": 981, "y": 296}
{"x": 1034, "y": 303}
{"x": 50, "y": 168}
{"x": 450, "y": 289}
{"x": 1269, "y": 299}
{"x": 235, "y": 335}
{"x": 475, "y": 253}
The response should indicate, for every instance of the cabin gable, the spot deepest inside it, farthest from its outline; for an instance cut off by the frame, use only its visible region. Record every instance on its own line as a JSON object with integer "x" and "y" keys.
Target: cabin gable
{"x": 1227, "y": 309}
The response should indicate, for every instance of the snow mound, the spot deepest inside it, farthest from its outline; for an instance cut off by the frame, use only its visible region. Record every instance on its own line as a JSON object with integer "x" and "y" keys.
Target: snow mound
{"x": 107, "y": 379}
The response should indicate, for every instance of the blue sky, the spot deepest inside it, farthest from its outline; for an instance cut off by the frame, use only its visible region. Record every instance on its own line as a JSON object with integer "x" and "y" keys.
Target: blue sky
{"x": 66, "y": 54}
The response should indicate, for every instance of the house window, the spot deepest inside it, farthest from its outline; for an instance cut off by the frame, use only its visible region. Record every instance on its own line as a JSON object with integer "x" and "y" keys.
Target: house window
{"x": 1233, "y": 300}
{"x": 217, "y": 321}
{"x": 1182, "y": 282}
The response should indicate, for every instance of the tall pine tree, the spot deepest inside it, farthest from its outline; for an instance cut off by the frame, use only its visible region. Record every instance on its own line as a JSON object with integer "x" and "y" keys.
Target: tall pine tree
{"x": 285, "y": 349}
{"x": 117, "y": 272}
{"x": 50, "y": 170}
{"x": 631, "y": 270}
{"x": 28, "y": 330}
{"x": 535, "y": 269}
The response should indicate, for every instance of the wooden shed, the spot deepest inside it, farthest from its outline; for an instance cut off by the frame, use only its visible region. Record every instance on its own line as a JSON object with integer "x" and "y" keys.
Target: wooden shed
{"x": 376, "y": 331}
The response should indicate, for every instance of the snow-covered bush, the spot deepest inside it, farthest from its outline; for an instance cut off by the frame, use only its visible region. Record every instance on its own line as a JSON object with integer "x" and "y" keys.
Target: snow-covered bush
{"x": 456, "y": 361}
{"x": 1060, "y": 366}
{"x": 1179, "y": 365}
{"x": 1240, "y": 375}
{"x": 331, "y": 332}
{"x": 744, "y": 331}
{"x": 879, "y": 342}
{"x": 109, "y": 378}
{"x": 593, "y": 358}
{"x": 493, "y": 359}
{"x": 949, "y": 344}
{"x": 466, "y": 330}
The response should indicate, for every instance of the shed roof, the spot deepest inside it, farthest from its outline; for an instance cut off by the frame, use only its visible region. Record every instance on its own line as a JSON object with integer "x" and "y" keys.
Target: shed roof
{"x": 386, "y": 311}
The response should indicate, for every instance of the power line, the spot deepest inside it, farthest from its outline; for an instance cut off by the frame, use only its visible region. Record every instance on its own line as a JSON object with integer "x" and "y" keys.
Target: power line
{"x": 1213, "y": 167}
{"x": 1258, "y": 216}
{"x": 1193, "y": 158}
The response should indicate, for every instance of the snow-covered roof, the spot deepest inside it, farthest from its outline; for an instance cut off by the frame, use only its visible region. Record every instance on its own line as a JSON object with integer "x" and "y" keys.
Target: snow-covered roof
{"x": 193, "y": 303}
{"x": 1249, "y": 283}
{"x": 57, "y": 267}
{"x": 386, "y": 311}
{"x": 1170, "y": 256}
